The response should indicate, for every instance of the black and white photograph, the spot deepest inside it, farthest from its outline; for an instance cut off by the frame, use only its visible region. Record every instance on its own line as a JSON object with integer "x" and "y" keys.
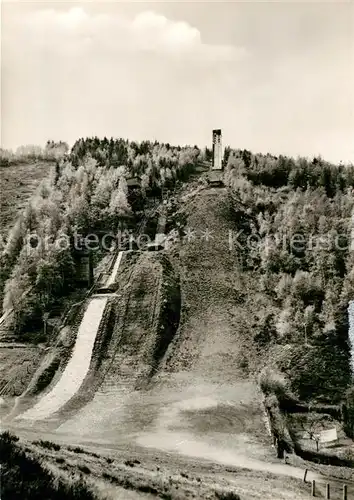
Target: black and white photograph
{"x": 177, "y": 250}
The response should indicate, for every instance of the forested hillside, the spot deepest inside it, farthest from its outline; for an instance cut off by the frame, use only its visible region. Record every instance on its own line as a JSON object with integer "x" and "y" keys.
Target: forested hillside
{"x": 87, "y": 193}
{"x": 296, "y": 219}
{"x": 292, "y": 219}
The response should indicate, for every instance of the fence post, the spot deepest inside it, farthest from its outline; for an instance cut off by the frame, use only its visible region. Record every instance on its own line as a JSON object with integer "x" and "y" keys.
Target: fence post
{"x": 305, "y": 475}
{"x": 328, "y": 491}
{"x": 345, "y": 492}
{"x": 313, "y": 488}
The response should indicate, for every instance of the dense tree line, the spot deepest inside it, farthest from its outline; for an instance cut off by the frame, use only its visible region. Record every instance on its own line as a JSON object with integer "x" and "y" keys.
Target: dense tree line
{"x": 278, "y": 171}
{"x": 158, "y": 164}
{"x": 26, "y": 154}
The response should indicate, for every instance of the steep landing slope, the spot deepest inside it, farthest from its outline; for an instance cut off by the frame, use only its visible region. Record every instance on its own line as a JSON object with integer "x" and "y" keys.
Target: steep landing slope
{"x": 210, "y": 402}
{"x": 214, "y": 339}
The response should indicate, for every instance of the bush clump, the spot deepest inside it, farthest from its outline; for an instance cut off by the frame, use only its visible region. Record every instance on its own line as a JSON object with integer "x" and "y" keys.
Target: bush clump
{"x": 49, "y": 445}
{"x": 272, "y": 382}
{"x": 227, "y": 495}
{"x": 24, "y": 478}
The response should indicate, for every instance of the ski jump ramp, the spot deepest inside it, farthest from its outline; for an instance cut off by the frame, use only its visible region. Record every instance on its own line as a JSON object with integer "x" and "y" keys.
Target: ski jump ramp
{"x": 113, "y": 276}
{"x": 78, "y": 366}
{"x": 79, "y": 363}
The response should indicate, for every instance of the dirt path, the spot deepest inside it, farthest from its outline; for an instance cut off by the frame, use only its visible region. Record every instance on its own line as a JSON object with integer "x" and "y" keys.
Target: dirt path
{"x": 200, "y": 450}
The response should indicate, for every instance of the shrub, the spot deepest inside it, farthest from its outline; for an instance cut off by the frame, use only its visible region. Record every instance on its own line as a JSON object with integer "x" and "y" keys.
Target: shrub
{"x": 24, "y": 478}
{"x": 272, "y": 382}
{"x": 47, "y": 444}
{"x": 227, "y": 495}
{"x": 8, "y": 437}
{"x": 129, "y": 463}
{"x": 84, "y": 469}
{"x": 76, "y": 449}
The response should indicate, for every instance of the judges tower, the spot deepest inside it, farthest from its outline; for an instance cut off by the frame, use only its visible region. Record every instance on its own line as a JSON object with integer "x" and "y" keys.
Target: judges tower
{"x": 217, "y": 150}
{"x": 215, "y": 176}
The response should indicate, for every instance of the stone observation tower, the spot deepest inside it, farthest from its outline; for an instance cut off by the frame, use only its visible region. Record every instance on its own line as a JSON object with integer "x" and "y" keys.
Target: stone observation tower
{"x": 216, "y": 175}
{"x": 217, "y": 150}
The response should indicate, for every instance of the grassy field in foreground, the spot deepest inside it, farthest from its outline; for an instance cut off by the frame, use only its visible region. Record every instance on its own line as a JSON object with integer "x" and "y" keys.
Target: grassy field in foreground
{"x": 23, "y": 476}
{"x": 138, "y": 473}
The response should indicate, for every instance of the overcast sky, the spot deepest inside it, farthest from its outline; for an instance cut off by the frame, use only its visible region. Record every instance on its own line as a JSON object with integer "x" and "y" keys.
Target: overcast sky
{"x": 274, "y": 76}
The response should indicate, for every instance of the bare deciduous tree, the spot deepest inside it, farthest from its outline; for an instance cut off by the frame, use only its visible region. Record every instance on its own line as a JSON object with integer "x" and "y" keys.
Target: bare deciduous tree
{"x": 312, "y": 426}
